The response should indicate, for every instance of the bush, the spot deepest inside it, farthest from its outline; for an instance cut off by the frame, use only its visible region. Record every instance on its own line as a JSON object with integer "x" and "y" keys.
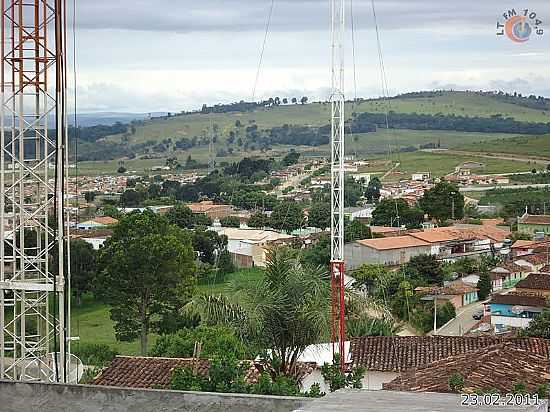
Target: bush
{"x": 94, "y": 354}
{"x": 337, "y": 379}
{"x": 216, "y": 341}
{"x": 456, "y": 383}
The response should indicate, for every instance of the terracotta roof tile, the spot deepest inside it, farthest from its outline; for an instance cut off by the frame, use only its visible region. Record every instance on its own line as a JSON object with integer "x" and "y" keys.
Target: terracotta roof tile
{"x": 148, "y": 372}
{"x": 535, "y": 281}
{"x": 489, "y": 367}
{"x": 522, "y": 299}
{"x": 396, "y": 242}
{"x": 396, "y": 353}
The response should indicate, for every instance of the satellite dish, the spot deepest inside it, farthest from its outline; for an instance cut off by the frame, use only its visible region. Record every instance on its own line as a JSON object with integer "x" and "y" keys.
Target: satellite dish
{"x": 517, "y": 310}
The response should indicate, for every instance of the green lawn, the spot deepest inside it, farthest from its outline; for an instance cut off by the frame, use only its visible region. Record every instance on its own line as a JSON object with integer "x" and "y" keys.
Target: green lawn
{"x": 91, "y": 321}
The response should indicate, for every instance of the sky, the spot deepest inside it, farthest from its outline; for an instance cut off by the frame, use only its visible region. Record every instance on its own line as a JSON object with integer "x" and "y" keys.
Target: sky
{"x": 173, "y": 55}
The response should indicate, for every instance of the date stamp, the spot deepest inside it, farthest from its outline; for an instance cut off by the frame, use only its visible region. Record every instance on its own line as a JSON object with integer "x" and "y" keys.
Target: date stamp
{"x": 498, "y": 400}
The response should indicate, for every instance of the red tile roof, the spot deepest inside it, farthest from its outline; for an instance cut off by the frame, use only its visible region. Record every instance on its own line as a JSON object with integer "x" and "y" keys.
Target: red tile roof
{"x": 454, "y": 288}
{"x": 446, "y": 234}
{"x": 148, "y": 372}
{"x": 396, "y": 353}
{"x": 535, "y": 281}
{"x": 397, "y": 242}
{"x": 497, "y": 367}
{"x": 521, "y": 299}
{"x": 524, "y": 244}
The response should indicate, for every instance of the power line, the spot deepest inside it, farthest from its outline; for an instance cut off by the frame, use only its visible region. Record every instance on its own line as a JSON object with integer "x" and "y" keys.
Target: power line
{"x": 267, "y": 26}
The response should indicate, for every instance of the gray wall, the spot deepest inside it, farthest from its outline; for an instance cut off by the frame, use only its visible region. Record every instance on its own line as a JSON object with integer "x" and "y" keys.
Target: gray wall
{"x": 40, "y": 397}
{"x": 357, "y": 255}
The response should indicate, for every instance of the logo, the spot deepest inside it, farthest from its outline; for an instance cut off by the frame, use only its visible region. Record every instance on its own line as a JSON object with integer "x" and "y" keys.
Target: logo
{"x": 519, "y": 26}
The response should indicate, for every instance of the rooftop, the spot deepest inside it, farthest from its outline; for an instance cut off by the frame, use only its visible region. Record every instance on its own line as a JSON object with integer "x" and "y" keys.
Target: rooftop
{"x": 447, "y": 234}
{"x": 396, "y": 242}
{"x": 520, "y": 299}
{"x": 253, "y": 235}
{"x": 535, "y": 281}
{"x": 527, "y": 219}
{"x": 147, "y": 372}
{"x": 206, "y": 206}
{"x": 485, "y": 368}
{"x": 397, "y": 353}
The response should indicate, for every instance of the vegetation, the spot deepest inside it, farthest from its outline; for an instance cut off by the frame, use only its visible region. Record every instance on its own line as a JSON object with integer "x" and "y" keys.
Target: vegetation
{"x": 514, "y": 202}
{"x": 397, "y": 213}
{"x": 456, "y": 383}
{"x": 337, "y": 379}
{"x": 539, "y": 327}
{"x": 146, "y": 275}
{"x": 443, "y": 202}
{"x": 484, "y": 285}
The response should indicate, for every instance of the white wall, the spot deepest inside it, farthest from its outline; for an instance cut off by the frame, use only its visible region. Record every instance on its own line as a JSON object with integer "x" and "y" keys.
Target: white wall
{"x": 373, "y": 380}
{"x": 95, "y": 242}
{"x": 510, "y": 321}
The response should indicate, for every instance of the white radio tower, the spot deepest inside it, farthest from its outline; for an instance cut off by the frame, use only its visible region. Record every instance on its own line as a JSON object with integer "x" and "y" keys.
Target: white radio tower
{"x": 33, "y": 226}
{"x": 337, "y": 172}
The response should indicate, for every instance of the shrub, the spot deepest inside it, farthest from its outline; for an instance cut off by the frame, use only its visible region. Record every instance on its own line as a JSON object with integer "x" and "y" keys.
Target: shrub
{"x": 94, "y": 354}
{"x": 456, "y": 383}
{"x": 337, "y": 379}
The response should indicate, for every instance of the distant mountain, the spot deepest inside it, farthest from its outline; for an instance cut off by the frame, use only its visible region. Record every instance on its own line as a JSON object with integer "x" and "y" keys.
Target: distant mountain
{"x": 110, "y": 118}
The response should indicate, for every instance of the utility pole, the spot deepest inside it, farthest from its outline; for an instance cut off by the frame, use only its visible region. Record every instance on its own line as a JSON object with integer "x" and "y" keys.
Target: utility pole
{"x": 337, "y": 268}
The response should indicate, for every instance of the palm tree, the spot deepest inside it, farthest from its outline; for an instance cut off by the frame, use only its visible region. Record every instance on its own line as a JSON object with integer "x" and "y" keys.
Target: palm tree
{"x": 286, "y": 311}
{"x": 289, "y": 309}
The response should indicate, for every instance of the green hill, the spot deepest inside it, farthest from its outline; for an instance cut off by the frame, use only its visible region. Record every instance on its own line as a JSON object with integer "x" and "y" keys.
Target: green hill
{"x": 171, "y": 129}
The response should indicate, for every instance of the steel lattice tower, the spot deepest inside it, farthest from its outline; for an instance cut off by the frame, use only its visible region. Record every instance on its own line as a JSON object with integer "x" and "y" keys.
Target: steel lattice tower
{"x": 33, "y": 229}
{"x": 337, "y": 175}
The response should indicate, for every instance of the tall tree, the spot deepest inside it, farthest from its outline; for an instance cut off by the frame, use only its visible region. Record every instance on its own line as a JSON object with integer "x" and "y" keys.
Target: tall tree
{"x": 356, "y": 230}
{"x": 258, "y": 220}
{"x": 484, "y": 285}
{"x": 287, "y": 216}
{"x": 146, "y": 275}
{"x": 83, "y": 268}
{"x": 539, "y": 327}
{"x": 425, "y": 269}
{"x": 396, "y": 212}
{"x": 373, "y": 190}
{"x": 443, "y": 201}
{"x": 319, "y": 215}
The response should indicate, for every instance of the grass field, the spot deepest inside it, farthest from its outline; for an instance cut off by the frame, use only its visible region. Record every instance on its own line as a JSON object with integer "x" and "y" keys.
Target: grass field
{"x": 534, "y": 146}
{"x": 92, "y": 323}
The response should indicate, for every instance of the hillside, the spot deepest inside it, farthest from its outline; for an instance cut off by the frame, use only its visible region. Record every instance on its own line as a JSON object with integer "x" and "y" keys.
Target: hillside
{"x": 188, "y": 134}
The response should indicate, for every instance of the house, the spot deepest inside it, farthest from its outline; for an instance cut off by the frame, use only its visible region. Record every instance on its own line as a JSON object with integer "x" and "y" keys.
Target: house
{"x": 363, "y": 213}
{"x": 523, "y": 247}
{"x": 156, "y": 373}
{"x": 458, "y": 293}
{"x": 515, "y": 309}
{"x": 538, "y": 283}
{"x": 249, "y": 247}
{"x": 533, "y": 262}
{"x": 505, "y": 276}
{"x": 95, "y": 237}
{"x": 420, "y": 177}
{"x": 534, "y": 223}
{"x": 384, "y": 251}
{"x": 488, "y": 367}
{"x": 387, "y": 357}
{"x": 212, "y": 210}
{"x": 97, "y": 223}
{"x": 386, "y": 231}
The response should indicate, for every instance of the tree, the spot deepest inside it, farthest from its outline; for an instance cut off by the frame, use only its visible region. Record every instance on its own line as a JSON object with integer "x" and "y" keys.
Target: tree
{"x": 373, "y": 190}
{"x": 89, "y": 196}
{"x": 258, "y": 220}
{"x": 181, "y": 216}
{"x": 318, "y": 255}
{"x": 286, "y": 311}
{"x": 230, "y": 221}
{"x": 291, "y": 158}
{"x": 443, "y": 202}
{"x": 367, "y": 276}
{"x": 425, "y": 269}
{"x": 396, "y": 213}
{"x": 146, "y": 274}
{"x": 539, "y": 327}
{"x": 356, "y": 230}
{"x": 353, "y": 191}
{"x": 83, "y": 268}
{"x": 112, "y": 211}
{"x": 208, "y": 244}
{"x": 294, "y": 100}
{"x": 215, "y": 341}
{"x": 319, "y": 215}
{"x": 225, "y": 263}
{"x": 304, "y": 100}
{"x": 287, "y": 216}
{"x": 484, "y": 285}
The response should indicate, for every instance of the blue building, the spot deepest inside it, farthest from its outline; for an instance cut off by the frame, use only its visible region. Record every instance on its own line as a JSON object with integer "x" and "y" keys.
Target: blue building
{"x": 515, "y": 310}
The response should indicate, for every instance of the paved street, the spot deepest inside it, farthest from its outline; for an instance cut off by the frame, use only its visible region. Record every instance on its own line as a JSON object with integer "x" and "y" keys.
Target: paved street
{"x": 463, "y": 321}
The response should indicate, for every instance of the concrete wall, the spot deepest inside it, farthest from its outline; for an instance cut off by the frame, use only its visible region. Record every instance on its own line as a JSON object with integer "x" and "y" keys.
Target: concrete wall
{"x": 357, "y": 255}
{"x": 373, "y": 380}
{"x": 40, "y": 397}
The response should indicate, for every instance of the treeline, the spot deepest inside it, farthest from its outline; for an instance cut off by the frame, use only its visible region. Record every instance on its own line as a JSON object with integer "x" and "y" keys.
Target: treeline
{"x": 366, "y": 122}
{"x": 532, "y": 101}
{"x": 514, "y": 201}
{"x": 94, "y": 133}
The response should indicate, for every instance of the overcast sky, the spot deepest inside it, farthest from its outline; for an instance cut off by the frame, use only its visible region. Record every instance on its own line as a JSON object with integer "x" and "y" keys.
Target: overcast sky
{"x": 172, "y": 55}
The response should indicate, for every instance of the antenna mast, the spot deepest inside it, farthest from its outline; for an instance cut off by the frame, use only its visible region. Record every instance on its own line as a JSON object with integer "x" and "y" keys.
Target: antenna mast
{"x": 34, "y": 319}
{"x": 337, "y": 98}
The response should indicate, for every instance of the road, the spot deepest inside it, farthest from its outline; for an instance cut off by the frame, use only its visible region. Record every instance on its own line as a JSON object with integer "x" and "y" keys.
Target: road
{"x": 463, "y": 321}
